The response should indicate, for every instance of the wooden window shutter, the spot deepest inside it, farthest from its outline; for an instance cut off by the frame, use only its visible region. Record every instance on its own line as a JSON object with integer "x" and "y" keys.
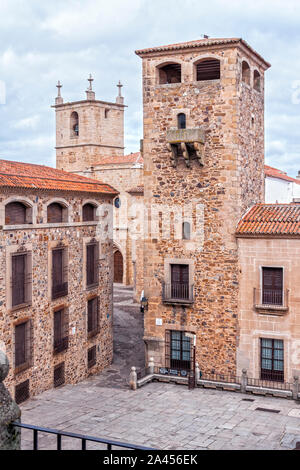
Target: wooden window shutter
{"x": 59, "y": 272}
{"x": 88, "y": 213}
{"x": 92, "y": 262}
{"x": 54, "y": 213}
{"x": 20, "y": 344}
{"x": 15, "y": 213}
{"x": 272, "y": 285}
{"x": 18, "y": 279}
{"x": 93, "y": 316}
{"x": 28, "y": 277}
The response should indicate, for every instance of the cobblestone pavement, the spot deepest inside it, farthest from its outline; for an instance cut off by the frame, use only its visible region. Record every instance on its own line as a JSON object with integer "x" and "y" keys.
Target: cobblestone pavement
{"x": 158, "y": 415}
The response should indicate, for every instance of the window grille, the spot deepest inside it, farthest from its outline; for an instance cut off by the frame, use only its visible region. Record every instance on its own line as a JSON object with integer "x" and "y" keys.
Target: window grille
{"x": 23, "y": 346}
{"x": 59, "y": 374}
{"x": 91, "y": 357}
{"x": 93, "y": 316}
{"x": 272, "y": 359}
{"x": 22, "y": 392}
{"x": 21, "y": 279}
{"x": 61, "y": 331}
{"x": 92, "y": 261}
{"x": 59, "y": 272}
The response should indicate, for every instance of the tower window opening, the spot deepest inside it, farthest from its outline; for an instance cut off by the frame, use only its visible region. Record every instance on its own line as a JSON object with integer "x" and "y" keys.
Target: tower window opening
{"x": 256, "y": 80}
{"x": 181, "y": 121}
{"x": 74, "y": 124}
{"x": 245, "y": 72}
{"x": 208, "y": 69}
{"x": 106, "y": 112}
{"x": 186, "y": 231}
{"x": 170, "y": 73}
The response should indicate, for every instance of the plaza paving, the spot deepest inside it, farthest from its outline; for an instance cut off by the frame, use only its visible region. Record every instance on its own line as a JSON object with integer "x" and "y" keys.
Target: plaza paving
{"x": 163, "y": 416}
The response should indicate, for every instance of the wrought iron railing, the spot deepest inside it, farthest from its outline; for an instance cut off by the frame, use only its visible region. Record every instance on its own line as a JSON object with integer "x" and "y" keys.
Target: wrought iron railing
{"x": 83, "y": 438}
{"x": 273, "y": 384}
{"x": 179, "y": 293}
{"x": 268, "y": 298}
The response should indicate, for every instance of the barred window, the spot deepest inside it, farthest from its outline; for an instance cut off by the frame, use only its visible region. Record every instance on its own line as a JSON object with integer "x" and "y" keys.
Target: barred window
{"x": 59, "y": 375}
{"x": 93, "y": 316}
{"x": 91, "y": 357}
{"x": 23, "y": 346}
{"x": 59, "y": 272}
{"x": 61, "y": 330}
{"x": 21, "y": 279}
{"x": 92, "y": 260}
{"x": 22, "y": 392}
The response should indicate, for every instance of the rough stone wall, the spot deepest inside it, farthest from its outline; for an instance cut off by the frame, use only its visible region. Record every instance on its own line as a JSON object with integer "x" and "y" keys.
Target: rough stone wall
{"x": 224, "y": 187}
{"x": 98, "y": 135}
{"x": 40, "y": 238}
{"x": 254, "y": 253}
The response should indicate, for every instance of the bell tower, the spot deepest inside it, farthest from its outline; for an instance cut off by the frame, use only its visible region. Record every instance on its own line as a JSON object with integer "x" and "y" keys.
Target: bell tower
{"x": 203, "y": 151}
{"x": 88, "y": 130}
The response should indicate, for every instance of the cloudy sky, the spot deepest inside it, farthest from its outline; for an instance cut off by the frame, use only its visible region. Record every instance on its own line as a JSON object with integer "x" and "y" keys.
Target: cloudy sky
{"x": 41, "y": 42}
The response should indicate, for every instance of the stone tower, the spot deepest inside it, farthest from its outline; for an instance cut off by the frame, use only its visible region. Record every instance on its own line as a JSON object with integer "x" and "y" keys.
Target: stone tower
{"x": 203, "y": 168}
{"x": 88, "y": 130}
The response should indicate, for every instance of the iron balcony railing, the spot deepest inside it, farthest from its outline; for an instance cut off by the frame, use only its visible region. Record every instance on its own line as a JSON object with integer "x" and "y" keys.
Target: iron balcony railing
{"x": 178, "y": 293}
{"x": 84, "y": 438}
{"x": 59, "y": 290}
{"x": 268, "y": 298}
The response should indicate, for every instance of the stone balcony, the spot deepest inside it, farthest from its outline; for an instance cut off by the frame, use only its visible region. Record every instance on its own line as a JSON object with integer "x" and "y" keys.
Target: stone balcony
{"x": 186, "y": 143}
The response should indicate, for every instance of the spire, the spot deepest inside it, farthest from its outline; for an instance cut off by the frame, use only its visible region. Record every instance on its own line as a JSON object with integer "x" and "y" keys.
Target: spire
{"x": 120, "y": 99}
{"x": 90, "y": 94}
{"x": 58, "y": 99}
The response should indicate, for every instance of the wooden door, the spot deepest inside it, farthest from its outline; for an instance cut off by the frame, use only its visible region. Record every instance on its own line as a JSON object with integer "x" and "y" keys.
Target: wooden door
{"x": 118, "y": 267}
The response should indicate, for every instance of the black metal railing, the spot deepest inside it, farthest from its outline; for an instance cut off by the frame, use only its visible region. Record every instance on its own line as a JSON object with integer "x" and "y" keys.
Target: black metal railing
{"x": 273, "y": 384}
{"x": 176, "y": 292}
{"x": 268, "y": 298}
{"x": 83, "y": 438}
{"x": 59, "y": 290}
{"x": 61, "y": 345}
{"x": 216, "y": 377}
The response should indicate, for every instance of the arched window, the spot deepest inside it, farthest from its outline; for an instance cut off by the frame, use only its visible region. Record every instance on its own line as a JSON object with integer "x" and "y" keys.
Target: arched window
{"x": 17, "y": 213}
{"x": 170, "y": 73}
{"x": 208, "y": 69}
{"x": 56, "y": 213}
{"x": 88, "y": 212}
{"x": 117, "y": 202}
{"x": 186, "y": 231}
{"x": 181, "y": 121}
{"x": 74, "y": 124}
{"x": 245, "y": 72}
{"x": 256, "y": 80}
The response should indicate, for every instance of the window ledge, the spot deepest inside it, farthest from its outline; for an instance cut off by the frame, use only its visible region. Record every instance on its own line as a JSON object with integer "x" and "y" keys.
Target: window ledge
{"x": 48, "y": 225}
{"x": 178, "y": 301}
{"x": 271, "y": 309}
{"x": 22, "y": 368}
{"x": 20, "y": 307}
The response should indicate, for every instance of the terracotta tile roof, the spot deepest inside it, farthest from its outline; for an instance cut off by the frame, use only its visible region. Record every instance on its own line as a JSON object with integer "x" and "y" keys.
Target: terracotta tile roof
{"x": 135, "y": 158}
{"x": 199, "y": 43}
{"x": 137, "y": 190}
{"x": 27, "y": 175}
{"x": 271, "y": 219}
{"x": 275, "y": 173}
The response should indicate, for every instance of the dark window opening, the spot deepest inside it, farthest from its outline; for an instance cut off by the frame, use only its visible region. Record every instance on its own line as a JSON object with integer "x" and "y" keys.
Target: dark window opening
{"x": 22, "y": 392}
{"x": 61, "y": 331}
{"x": 170, "y": 73}
{"x": 88, "y": 213}
{"x": 92, "y": 261}
{"x": 181, "y": 121}
{"x": 91, "y": 357}
{"x": 93, "y": 317}
{"x": 117, "y": 202}
{"x": 118, "y": 267}
{"x": 56, "y": 213}
{"x": 59, "y": 374}
{"x": 245, "y": 73}
{"x": 74, "y": 124}
{"x": 208, "y": 69}
{"x": 186, "y": 231}
{"x": 59, "y": 273}
{"x": 106, "y": 112}
{"x": 179, "y": 350}
{"x": 256, "y": 80}
{"x": 17, "y": 213}
{"x": 272, "y": 360}
{"x": 22, "y": 346}
{"x": 180, "y": 281}
{"x": 20, "y": 279}
{"x": 272, "y": 286}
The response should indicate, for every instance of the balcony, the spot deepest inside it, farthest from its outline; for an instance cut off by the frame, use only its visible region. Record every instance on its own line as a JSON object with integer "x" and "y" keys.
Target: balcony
{"x": 59, "y": 290}
{"x": 176, "y": 293}
{"x": 271, "y": 302}
{"x": 186, "y": 143}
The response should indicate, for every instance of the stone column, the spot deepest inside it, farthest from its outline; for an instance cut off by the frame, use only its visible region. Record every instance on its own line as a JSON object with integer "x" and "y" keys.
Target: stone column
{"x": 133, "y": 379}
{"x": 296, "y": 387}
{"x": 10, "y": 436}
{"x": 197, "y": 372}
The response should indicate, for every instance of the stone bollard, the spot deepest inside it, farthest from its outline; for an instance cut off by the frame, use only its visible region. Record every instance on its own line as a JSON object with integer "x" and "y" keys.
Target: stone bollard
{"x": 133, "y": 379}
{"x": 244, "y": 381}
{"x": 10, "y": 436}
{"x": 151, "y": 366}
{"x": 295, "y": 387}
{"x": 197, "y": 372}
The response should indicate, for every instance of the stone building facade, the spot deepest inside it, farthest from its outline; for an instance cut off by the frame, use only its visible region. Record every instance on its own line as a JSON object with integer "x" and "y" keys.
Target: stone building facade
{"x": 56, "y": 279}
{"x": 269, "y": 304}
{"x": 203, "y": 153}
{"x": 90, "y": 142}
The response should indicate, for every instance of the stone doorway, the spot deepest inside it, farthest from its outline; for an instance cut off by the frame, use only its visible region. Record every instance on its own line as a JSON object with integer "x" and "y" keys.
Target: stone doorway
{"x": 118, "y": 267}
